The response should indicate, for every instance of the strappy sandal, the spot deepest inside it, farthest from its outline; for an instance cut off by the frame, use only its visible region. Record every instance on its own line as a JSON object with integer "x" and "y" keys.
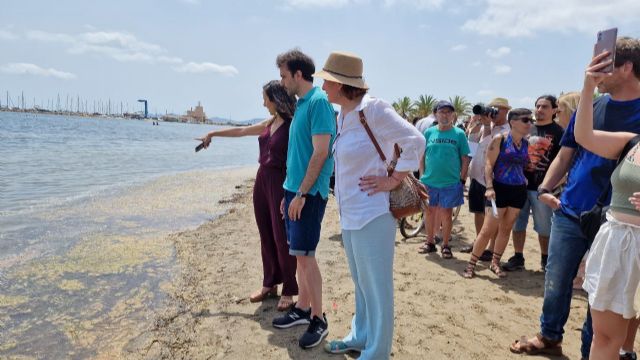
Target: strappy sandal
{"x": 446, "y": 252}
{"x": 259, "y": 296}
{"x": 496, "y": 269}
{"x": 285, "y": 304}
{"x": 427, "y": 248}
{"x": 469, "y": 272}
{"x": 338, "y": 347}
{"x": 550, "y": 347}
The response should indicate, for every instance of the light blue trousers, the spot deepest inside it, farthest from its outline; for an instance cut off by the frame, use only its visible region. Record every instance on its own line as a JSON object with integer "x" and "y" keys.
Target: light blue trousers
{"x": 370, "y": 255}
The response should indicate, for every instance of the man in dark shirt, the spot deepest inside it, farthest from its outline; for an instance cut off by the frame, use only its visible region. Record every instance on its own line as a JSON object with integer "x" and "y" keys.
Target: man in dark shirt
{"x": 544, "y": 145}
{"x": 589, "y": 175}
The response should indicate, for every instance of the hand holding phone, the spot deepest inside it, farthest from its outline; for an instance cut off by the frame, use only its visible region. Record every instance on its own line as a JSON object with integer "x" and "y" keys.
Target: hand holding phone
{"x": 200, "y": 147}
{"x": 606, "y": 41}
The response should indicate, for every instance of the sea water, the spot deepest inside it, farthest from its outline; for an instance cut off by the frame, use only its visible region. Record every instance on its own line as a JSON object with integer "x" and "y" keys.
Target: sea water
{"x": 85, "y": 207}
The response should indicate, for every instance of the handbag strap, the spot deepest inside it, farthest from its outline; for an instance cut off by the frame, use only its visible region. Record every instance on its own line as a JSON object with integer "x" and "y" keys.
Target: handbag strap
{"x": 396, "y": 148}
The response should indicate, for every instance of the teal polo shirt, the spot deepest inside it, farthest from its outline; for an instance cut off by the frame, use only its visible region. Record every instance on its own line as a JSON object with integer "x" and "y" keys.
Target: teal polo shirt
{"x": 314, "y": 116}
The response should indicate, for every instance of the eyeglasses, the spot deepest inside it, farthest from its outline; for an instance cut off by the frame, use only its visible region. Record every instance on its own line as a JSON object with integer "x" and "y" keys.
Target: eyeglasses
{"x": 525, "y": 120}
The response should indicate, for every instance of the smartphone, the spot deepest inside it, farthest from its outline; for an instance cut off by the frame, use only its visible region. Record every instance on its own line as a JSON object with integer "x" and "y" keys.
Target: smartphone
{"x": 494, "y": 208}
{"x": 200, "y": 147}
{"x": 606, "y": 41}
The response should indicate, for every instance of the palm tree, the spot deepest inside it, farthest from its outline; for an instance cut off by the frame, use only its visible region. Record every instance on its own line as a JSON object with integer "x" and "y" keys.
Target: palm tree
{"x": 404, "y": 107}
{"x": 424, "y": 105}
{"x": 461, "y": 105}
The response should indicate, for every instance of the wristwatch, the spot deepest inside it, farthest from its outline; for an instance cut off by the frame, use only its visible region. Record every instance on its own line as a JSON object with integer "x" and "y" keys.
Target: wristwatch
{"x": 299, "y": 194}
{"x": 542, "y": 191}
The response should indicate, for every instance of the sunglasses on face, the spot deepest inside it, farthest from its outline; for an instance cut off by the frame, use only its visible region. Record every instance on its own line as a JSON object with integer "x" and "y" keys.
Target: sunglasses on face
{"x": 525, "y": 120}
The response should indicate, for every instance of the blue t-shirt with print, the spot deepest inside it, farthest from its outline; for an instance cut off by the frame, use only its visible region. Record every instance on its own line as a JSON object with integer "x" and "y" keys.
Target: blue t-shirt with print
{"x": 314, "y": 116}
{"x": 590, "y": 174}
{"x": 443, "y": 156}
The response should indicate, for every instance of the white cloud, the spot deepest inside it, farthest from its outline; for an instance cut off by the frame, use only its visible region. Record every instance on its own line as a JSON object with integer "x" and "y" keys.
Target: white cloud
{"x": 420, "y": 4}
{"x": 125, "y": 47}
{"x": 521, "y": 18}
{"x": 319, "y": 3}
{"x": 502, "y": 69}
{"x": 207, "y": 67}
{"x": 7, "y": 35}
{"x": 499, "y": 52}
{"x": 459, "y": 47}
{"x": 32, "y": 69}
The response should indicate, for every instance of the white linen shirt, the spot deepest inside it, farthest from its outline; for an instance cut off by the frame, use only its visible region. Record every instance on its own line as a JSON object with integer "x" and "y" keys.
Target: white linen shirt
{"x": 355, "y": 156}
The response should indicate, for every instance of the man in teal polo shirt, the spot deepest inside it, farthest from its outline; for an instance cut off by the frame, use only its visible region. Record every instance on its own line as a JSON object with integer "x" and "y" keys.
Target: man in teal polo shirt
{"x": 309, "y": 167}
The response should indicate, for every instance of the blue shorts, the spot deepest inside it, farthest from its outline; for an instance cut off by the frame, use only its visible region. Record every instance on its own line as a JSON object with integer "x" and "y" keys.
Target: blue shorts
{"x": 303, "y": 234}
{"x": 541, "y": 215}
{"x": 447, "y": 197}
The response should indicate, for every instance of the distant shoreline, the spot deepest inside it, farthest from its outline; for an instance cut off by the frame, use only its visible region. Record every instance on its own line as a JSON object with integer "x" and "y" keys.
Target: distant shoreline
{"x": 174, "y": 118}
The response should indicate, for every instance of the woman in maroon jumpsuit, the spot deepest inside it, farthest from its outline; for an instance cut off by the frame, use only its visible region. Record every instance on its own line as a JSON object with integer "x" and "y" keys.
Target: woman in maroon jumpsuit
{"x": 273, "y": 138}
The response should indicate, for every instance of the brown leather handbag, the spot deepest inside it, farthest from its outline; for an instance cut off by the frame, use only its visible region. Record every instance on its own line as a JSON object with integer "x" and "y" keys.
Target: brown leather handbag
{"x": 410, "y": 196}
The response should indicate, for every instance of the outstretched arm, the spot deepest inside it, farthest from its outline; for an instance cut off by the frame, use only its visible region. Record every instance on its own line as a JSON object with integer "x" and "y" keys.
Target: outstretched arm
{"x": 253, "y": 130}
{"x": 602, "y": 143}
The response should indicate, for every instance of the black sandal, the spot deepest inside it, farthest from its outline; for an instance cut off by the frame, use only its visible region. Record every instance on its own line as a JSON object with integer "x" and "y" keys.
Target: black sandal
{"x": 446, "y": 252}
{"x": 427, "y": 248}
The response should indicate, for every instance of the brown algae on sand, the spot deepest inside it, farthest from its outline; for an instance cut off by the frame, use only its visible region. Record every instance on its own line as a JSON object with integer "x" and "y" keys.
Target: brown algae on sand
{"x": 9, "y": 301}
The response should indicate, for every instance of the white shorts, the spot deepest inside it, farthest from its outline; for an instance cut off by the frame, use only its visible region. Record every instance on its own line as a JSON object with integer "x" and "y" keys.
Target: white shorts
{"x": 612, "y": 273}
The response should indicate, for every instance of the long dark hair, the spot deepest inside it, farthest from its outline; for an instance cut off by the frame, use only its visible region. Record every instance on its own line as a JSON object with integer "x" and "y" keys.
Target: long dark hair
{"x": 285, "y": 103}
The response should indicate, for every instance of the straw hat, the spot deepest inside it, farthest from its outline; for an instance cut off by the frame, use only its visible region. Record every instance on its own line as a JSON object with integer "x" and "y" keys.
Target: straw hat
{"x": 344, "y": 68}
{"x": 500, "y": 103}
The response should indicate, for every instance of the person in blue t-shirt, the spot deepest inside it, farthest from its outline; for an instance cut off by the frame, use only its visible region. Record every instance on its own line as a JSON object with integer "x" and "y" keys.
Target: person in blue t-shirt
{"x": 589, "y": 176}
{"x": 309, "y": 167}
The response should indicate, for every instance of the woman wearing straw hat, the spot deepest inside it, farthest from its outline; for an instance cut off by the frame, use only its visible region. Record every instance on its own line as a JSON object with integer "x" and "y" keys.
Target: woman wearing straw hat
{"x": 362, "y": 191}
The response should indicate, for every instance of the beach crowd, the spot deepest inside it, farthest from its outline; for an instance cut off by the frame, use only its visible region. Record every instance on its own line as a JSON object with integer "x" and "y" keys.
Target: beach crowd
{"x": 570, "y": 163}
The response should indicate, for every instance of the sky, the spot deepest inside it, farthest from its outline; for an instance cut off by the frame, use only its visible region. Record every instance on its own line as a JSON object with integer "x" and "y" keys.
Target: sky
{"x": 175, "y": 53}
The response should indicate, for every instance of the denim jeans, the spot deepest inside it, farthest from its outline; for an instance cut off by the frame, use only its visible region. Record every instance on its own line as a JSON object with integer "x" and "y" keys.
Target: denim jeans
{"x": 567, "y": 247}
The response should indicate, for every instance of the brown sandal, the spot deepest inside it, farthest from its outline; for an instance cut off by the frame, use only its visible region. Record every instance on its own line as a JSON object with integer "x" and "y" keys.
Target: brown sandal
{"x": 550, "y": 347}
{"x": 261, "y": 295}
{"x": 427, "y": 248}
{"x": 285, "y": 304}
{"x": 496, "y": 269}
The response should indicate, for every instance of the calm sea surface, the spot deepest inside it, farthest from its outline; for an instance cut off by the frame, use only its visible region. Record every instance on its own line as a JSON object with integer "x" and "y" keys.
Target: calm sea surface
{"x": 85, "y": 207}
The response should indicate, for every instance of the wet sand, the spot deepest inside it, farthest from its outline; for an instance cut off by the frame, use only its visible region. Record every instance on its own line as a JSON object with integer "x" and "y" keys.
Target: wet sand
{"x": 439, "y": 315}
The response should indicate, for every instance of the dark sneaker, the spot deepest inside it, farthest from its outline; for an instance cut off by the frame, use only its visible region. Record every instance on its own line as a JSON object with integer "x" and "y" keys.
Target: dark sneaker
{"x": 487, "y": 255}
{"x": 629, "y": 356}
{"x": 543, "y": 265}
{"x": 294, "y": 317}
{"x": 316, "y": 332}
{"x": 514, "y": 263}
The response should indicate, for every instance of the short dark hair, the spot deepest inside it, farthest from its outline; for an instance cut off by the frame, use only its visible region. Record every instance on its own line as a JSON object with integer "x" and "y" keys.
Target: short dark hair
{"x": 628, "y": 50}
{"x": 352, "y": 92}
{"x": 518, "y": 112}
{"x": 552, "y": 99}
{"x": 297, "y": 60}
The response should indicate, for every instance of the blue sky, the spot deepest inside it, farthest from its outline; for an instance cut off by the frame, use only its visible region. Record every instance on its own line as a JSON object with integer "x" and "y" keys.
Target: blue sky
{"x": 178, "y": 52}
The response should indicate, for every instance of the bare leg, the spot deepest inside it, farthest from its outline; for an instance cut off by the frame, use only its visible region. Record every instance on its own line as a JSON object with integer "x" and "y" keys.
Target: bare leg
{"x": 446, "y": 221}
{"x": 632, "y": 330}
{"x": 304, "y": 299}
{"x": 313, "y": 283}
{"x": 609, "y": 333}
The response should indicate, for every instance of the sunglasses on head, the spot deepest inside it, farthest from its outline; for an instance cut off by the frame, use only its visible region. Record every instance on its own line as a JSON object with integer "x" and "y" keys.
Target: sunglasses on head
{"x": 525, "y": 120}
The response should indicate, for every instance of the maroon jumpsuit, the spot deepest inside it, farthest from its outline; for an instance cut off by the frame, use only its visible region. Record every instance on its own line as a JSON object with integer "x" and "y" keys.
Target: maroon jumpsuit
{"x": 278, "y": 266}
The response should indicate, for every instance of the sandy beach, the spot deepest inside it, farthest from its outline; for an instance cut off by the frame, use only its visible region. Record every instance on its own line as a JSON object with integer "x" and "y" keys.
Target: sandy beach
{"x": 438, "y": 314}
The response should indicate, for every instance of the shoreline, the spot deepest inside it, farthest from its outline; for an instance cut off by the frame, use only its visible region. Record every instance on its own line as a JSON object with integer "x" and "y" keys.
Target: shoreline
{"x": 438, "y": 313}
{"x": 103, "y": 289}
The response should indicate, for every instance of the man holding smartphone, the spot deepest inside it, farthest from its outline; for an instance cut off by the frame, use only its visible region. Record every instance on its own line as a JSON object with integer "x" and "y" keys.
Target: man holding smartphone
{"x": 589, "y": 175}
